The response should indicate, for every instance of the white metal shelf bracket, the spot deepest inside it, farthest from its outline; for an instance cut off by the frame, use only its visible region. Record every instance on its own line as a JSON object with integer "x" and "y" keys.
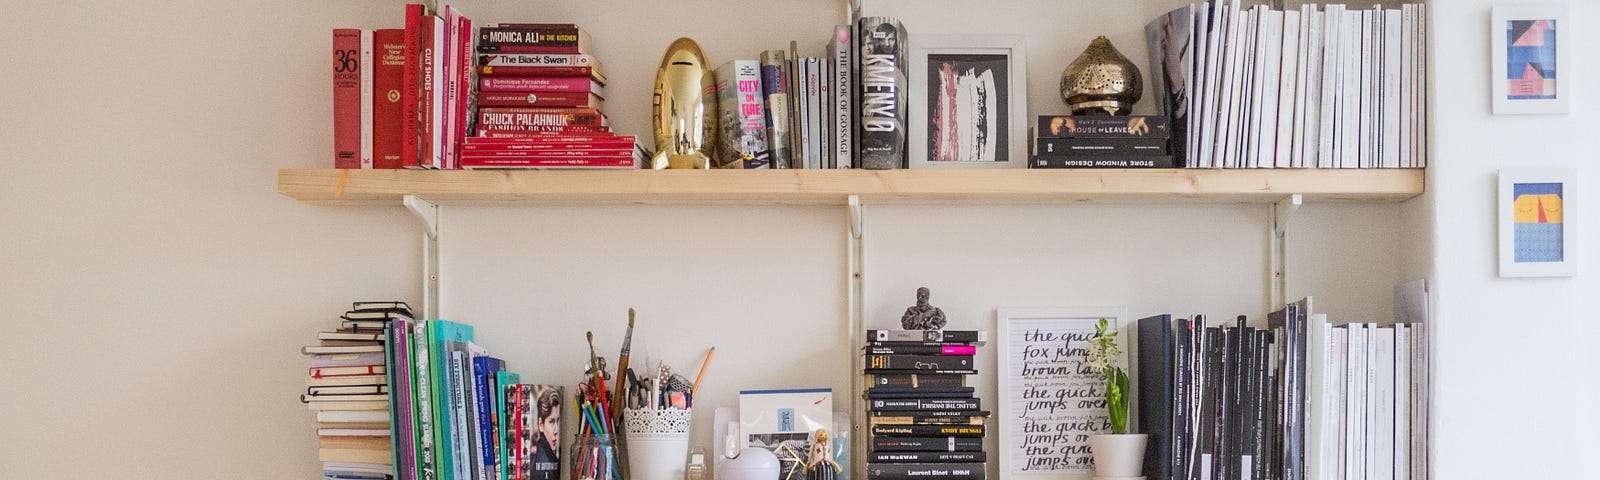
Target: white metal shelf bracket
{"x": 427, "y": 214}
{"x": 1282, "y": 212}
{"x": 858, "y": 331}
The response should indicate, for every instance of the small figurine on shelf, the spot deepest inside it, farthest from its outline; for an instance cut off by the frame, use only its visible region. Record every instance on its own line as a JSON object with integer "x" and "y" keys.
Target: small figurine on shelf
{"x": 922, "y": 316}
{"x": 819, "y": 463}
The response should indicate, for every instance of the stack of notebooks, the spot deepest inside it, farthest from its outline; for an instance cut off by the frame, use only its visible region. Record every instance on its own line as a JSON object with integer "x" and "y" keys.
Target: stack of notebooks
{"x": 1136, "y": 141}
{"x": 348, "y": 388}
{"x": 539, "y": 99}
{"x": 925, "y": 422}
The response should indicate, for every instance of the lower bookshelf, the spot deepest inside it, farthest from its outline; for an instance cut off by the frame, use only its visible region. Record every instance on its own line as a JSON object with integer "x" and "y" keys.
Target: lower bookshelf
{"x": 834, "y": 187}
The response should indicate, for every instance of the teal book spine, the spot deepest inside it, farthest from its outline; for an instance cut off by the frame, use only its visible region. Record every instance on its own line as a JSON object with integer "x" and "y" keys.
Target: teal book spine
{"x": 501, "y": 381}
{"x": 422, "y": 404}
{"x": 439, "y": 332}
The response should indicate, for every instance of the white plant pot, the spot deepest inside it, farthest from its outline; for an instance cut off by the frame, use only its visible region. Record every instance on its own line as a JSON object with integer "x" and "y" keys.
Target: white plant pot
{"x": 1118, "y": 455}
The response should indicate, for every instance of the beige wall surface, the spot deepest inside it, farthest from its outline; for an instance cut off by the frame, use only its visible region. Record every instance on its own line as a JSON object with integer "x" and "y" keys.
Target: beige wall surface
{"x": 157, "y": 289}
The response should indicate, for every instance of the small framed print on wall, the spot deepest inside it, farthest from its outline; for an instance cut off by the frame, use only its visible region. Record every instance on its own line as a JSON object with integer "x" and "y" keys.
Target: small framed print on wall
{"x": 1532, "y": 59}
{"x": 1537, "y": 231}
{"x": 968, "y": 102}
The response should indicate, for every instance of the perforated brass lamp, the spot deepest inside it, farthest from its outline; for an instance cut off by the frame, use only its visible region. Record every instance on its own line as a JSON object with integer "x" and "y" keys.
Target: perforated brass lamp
{"x": 1101, "y": 81}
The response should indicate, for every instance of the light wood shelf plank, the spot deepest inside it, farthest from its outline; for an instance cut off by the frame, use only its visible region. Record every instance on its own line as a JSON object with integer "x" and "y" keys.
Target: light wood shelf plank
{"x": 833, "y": 187}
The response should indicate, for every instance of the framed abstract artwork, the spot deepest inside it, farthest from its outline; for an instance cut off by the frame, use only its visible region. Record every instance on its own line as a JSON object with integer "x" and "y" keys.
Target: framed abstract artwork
{"x": 1532, "y": 59}
{"x": 1538, "y": 234}
{"x": 968, "y": 102}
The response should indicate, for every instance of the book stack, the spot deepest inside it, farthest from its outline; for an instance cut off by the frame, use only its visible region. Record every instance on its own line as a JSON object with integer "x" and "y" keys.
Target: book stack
{"x": 540, "y": 90}
{"x": 924, "y": 420}
{"x": 1300, "y": 398}
{"x": 1328, "y": 87}
{"x": 1136, "y": 141}
{"x": 349, "y": 389}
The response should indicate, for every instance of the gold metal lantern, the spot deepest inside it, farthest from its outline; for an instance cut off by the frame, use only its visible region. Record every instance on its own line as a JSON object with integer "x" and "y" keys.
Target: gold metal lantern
{"x": 1101, "y": 81}
{"x": 685, "y": 108}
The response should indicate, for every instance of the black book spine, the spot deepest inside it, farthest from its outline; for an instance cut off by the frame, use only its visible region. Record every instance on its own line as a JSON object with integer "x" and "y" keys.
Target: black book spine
{"x": 1212, "y": 409}
{"x": 952, "y": 337}
{"x": 1155, "y": 393}
{"x": 918, "y": 362}
{"x": 928, "y": 430}
{"x": 927, "y": 457}
{"x": 926, "y": 348}
{"x": 1104, "y": 161}
{"x": 915, "y": 380}
{"x": 872, "y": 394}
{"x": 1132, "y": 126}
{"x": 929, "y": 413}
{"x": 915, "y": 390}
{"x": 927, "y": 444}
{"x": 1182, "y": 385}
{"x": 882, "y": 97}
{"x": 940, "y": 471}
{"x": 912, "y": 404}
{"x": 1068, "y": 147}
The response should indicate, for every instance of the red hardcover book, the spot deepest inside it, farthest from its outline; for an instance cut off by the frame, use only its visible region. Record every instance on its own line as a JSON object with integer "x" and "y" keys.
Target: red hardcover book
{"x": 463, "y": 71}
{"x": 589, "y": 71}
{"x": 567, "y": 153}
{"x": 625, "y": 161}
{"x": 411, "y": 95}
{"x": 451, "y": 83}
{"x": 542, "y": 99}
{"x": 544, "y": 146}
{"x": 388, "y": 81}
{"x": 540, "y": 84}
{"x": 548, "y": 137}
{"x": 512, "y": 117}
{"x": 346, "y": 98}
{"x": 538, "y": 131}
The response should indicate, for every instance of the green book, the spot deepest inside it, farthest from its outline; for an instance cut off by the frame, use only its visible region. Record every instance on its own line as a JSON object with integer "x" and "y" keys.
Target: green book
{"x": 441, "y": 333}
{"x": 502, "y": 435}
{"x": 422, "y": 403}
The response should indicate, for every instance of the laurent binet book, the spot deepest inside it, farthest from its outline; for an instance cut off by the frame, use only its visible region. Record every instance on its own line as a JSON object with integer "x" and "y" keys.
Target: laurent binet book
{"x": 882, "y": 99}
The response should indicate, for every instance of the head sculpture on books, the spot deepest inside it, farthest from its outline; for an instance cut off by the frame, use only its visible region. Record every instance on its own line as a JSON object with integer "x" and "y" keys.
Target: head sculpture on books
{"x": 922, "y": 316}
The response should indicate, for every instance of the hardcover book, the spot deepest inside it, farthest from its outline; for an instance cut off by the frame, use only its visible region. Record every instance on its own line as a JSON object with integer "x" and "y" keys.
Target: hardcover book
{"x": 536, "y": 60}
{"x": 1046, "y": 147}
{"x": 950, "y": 336}
{"x": 542, "y": 84}
{"x": 347, "y": 98}
{"x": 942, "y": 471}
{"x": 842, "y": 96}
{"x": 1103, "y": 161}
{"x": 918, "y": 362}
{"x": 914, "y": 380}
{"x": 1080, "y": 126}
{"x": 914, "y": 404}
{"x": 534, "y": 38}
{"x": 928, "y": 430}
{"x": 742, "y": 138}
{"x": 927, "y": 457}
{"x": 926, "y": 444}
{"x": 882, "y": 93}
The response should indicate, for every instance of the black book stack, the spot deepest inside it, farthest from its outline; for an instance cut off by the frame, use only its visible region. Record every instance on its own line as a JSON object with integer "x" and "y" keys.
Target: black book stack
{"x": 923, "y": 419}
{"x": 1136, "y": 141}
{"x": 1220, "y": 401}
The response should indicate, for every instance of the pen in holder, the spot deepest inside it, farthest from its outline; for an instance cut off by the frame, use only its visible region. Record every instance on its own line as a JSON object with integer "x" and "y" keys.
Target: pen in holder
{"x": 594, "y": 457}
{"x": 658, "y": 442}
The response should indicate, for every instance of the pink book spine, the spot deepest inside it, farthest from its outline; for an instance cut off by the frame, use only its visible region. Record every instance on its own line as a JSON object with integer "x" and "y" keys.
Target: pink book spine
{"x": 536, "y": 84}
{"x": 346, "y": 98}
{"x": 958, "y": 350}
{"x": 463, "y": 95}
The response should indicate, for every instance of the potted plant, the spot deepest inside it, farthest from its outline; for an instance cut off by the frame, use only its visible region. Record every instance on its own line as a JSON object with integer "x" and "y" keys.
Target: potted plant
{"x": 1118, "y": 454}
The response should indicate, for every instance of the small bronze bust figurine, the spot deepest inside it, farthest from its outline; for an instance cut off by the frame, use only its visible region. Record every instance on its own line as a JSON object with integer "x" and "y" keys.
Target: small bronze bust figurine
{"x": 922, "y": 316}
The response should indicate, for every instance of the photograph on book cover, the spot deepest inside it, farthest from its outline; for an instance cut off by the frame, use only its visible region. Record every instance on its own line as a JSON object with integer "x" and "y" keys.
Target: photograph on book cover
{"x": 1050, "y": 399}
{"x": 1531, "y": 53}
{"x": 968, "y": 101}
{"x": 1537, "y": 236}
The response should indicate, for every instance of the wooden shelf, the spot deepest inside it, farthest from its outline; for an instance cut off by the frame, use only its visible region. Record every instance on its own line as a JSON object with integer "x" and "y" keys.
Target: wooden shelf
{"x": 833, "y": 187}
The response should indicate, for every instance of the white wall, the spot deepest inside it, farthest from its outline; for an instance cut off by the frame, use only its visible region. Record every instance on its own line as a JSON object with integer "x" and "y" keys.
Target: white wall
{"x": 158, "y": 288}
{"x": 1516, "y": 383}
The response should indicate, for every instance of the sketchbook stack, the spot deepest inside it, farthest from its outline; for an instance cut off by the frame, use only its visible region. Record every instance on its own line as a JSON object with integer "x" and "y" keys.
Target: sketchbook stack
{"x": 924, "y": 420}
{"x": 348, "y": 388}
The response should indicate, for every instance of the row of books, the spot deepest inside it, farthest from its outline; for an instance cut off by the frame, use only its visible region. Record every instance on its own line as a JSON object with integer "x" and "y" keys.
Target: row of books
{"x": 1255, "y": 87}
{"x": 924, "y": 420}
{"x": 407, "y": 399}
{"x": 540, "y": 95}
{"x": 400, "y": 95}
{"x": 788, "y": 111}
{"x": 1234, "y": 401}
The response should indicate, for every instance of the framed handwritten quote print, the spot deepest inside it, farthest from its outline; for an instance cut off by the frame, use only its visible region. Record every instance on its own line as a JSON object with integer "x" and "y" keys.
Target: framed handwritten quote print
{"x": 1051, "y": 400}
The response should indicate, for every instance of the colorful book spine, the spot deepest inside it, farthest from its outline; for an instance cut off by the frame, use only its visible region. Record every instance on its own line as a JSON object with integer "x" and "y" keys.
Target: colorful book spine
{"x": 461, "y": 69}
{"x": 743, "y": 139}
{"x": 496, "y": 117}
{"x": 533, "y": 38}
{"x": 918, "y": 362}
{"x": 541, "y": 99}
{"x": 518, "y": 71}
{"x": 503, "y": 425}
{"x": 882, "y": 97}
{"x": 540, "y": 84}
{"x": 483, "y": 369}
{"x": 536, "y": 60}
{"x": 402, "y": 423}
{"x": 388, "y": 81}
{"x": 775, "y": 86}
{"x": 411, "y": 95}
{"x": 422, "y": 402}
{"x": 346, "y": 98}
{"x": 434, "y": 85}
{"x": 440, "y": 334}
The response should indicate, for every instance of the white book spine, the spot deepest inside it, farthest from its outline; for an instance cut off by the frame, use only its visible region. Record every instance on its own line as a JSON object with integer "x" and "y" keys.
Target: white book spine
{"x": 367, "y": 66}
{"x": 814, "y": 107}
{"x": 1407, "y": 30}
{"x": 1237, "y": 86}
{"x": 1371, "y": 65}
{"x": 1392, "y": 73}
{"x": 1420, "y": 83}
{"x": 1210, "y": 74}
{"x": 1308, "y": 116}
{"x": 842, "y": 124}
{"x": 1380, "y": 442}
{"x": 1420, "y": 393}
{"x": 437, "y": 109}
{"x": 1349, "y": 155}
{"x": 1333, "y": 20}
{"x": 1338, "y": 395}
{"x": 1191, "y": 96}
{"x": 1402, "y": 402}
{"x": 1291, "y": 74}
{"x": 1318, "y": 345}
{"x": 1255, "y": 76}
{"x": 1355, "y": 423}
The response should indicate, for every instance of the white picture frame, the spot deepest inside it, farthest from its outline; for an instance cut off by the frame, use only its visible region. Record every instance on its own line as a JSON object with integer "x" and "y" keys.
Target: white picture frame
{"x": 1013, "y": 325}
{"x": 982, "y": 54}
{"x": 1523, "y": 34}
{"x": 1536, "y": 239}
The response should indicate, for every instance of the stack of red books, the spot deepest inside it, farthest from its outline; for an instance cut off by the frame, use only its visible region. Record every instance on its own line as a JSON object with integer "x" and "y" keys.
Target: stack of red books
{"x": 539, "y": 98}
